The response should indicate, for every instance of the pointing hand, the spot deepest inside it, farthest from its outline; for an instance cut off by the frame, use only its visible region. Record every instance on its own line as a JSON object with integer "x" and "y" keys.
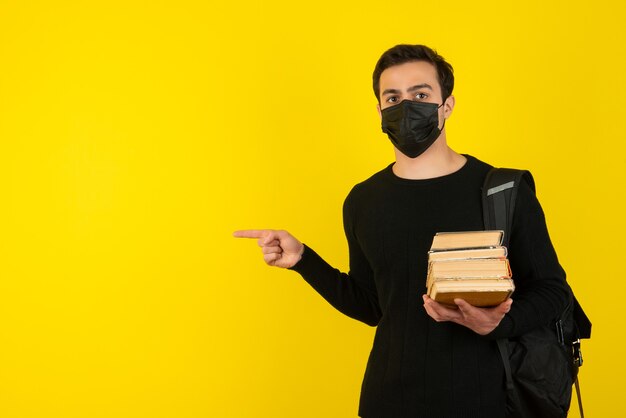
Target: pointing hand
{"x": 280, "y": 248}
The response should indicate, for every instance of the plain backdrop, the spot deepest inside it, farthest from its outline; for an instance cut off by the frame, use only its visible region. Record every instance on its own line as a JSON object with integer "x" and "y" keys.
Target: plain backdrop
{"x": 135, "y": 136}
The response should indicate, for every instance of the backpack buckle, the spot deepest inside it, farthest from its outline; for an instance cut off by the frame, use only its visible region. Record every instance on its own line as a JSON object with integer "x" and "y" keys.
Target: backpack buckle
{"x": 578, "y": 355}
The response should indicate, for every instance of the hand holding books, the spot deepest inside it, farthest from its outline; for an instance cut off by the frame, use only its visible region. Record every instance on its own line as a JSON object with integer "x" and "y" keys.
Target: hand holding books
{"x": 480, "y": 320}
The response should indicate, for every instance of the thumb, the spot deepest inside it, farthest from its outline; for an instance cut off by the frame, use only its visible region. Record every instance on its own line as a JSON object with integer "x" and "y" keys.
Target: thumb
{"x": 276, "y": 234}
{"x": 463, "y": 305}
{"x": 268, "y": 237}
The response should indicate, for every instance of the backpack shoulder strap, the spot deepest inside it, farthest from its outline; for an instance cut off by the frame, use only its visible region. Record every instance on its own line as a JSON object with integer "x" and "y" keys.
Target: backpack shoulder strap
{"x": 498, "y": 198}
{"x": 498, "y": 195}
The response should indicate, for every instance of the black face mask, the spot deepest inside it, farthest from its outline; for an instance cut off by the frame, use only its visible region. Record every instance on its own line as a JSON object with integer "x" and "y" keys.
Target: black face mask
{"x": 412, "y": 126}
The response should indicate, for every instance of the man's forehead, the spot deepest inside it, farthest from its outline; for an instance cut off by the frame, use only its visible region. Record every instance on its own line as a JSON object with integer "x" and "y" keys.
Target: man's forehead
{"x": 404, "y": 76}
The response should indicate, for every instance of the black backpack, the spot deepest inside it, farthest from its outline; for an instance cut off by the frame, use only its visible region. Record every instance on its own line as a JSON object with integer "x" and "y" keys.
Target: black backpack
{"x": 542, "y": 365}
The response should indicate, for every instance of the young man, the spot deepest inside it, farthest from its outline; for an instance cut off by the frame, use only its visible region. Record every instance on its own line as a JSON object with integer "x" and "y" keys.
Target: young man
{"x": 427, "y": 360}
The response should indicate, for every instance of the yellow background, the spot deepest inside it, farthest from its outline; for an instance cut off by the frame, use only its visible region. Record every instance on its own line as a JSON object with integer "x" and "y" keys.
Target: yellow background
{"x": 137, "y": 135}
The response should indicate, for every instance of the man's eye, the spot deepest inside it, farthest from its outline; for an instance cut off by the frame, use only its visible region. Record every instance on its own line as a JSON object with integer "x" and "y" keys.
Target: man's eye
{"x": 392, "y": 99}
{"x": 421, "y": 96}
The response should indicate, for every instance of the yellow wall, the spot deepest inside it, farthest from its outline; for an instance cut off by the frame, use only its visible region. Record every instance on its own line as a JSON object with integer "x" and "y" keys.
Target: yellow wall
{"x": 135, "y": 136}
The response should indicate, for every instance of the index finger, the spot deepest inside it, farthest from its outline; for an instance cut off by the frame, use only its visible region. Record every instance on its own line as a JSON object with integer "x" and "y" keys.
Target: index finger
{"x": 251, "y": 233}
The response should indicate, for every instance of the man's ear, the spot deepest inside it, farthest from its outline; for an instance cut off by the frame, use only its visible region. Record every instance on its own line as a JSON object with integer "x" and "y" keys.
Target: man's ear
{"x": 379, "y": 112}
{"x": 448, "y": 106}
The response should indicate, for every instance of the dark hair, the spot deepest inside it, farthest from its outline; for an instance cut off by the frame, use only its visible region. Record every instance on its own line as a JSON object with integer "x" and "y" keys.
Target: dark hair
{"x": 401, "y": 54}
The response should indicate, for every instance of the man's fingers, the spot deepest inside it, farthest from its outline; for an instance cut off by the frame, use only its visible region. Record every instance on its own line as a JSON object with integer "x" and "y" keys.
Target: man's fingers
{"x": 265, "y": 236}
{"x": 269, "y": 240}
{"x": 269, "y": 250}
{"x": 505, "y": 306}
{"x": 431, "y": 313}
{"x": 440, "y": 312}
{"x": 465, "y": 307}
{"x": 271, "y": 258}
{"x": 251, "y": 233}
{"x": 279, "y": 247}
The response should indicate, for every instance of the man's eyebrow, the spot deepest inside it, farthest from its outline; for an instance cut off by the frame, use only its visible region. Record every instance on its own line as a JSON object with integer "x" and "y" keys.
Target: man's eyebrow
{"x": 410, "y": 89}
{"x": 391, "y": 91}
{"x": 420, "y": 86}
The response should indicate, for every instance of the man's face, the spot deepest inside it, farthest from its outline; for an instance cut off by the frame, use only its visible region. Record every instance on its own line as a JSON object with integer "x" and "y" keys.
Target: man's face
{"x": 415, "y": 80}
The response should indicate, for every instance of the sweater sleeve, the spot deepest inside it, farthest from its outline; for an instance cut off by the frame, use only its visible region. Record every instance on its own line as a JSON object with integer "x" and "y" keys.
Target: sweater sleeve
{"x": 541, "y": 292}
{"x": 354, "y": 293}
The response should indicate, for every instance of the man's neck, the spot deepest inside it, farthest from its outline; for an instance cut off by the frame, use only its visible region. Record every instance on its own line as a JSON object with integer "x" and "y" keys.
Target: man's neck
{"x": 439, "y": 160}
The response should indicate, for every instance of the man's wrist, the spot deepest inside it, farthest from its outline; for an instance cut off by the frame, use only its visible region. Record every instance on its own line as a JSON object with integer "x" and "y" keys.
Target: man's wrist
{"x": 301, "y": 255}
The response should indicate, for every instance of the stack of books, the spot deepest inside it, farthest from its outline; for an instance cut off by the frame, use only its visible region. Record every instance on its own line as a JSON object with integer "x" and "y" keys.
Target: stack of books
{"x": 472, "y": 266}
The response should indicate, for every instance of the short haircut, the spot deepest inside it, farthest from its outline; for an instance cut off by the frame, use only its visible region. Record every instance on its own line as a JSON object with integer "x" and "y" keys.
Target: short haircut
{"x": 403, "y": 53}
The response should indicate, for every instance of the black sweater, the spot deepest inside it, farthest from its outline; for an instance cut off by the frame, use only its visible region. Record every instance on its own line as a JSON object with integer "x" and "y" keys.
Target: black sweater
{"x": 418, "y": 367}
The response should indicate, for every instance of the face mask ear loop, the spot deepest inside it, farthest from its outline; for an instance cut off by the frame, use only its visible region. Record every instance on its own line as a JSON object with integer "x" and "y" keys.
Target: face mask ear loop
{"x": 444, "y": 119}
